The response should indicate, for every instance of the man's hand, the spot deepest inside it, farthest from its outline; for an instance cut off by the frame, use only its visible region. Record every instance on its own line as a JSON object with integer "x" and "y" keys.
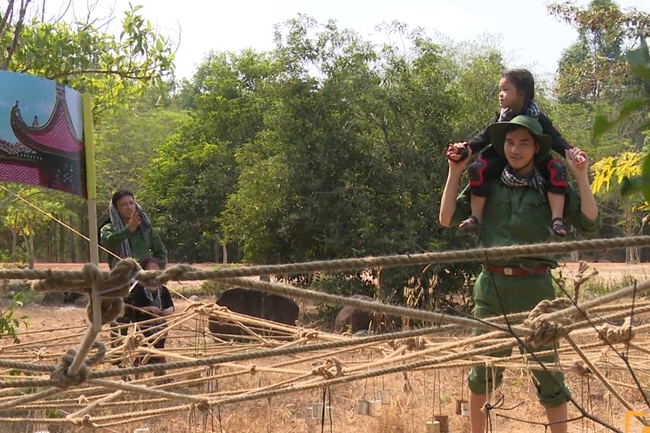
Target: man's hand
{"x": 456, "y": 151}
{"x": 134, "y": 221}
{"x": 456, "y": 166}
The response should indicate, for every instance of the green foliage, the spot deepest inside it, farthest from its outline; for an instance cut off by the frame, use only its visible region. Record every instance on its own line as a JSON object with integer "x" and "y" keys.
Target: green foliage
{"x": 127, "y": 140}
{"x": 351, "y": 155}
{"x": 86, "y": 58}
{"x": 8, "y": 323}
{"x": 635, "y": 178}
{"x": 341, "y": 284}
{"x": 195, "y": 170}
{"x": 595, "y": 67}
{"x": 213, "y": 287}
{"x": 114, "y": 69}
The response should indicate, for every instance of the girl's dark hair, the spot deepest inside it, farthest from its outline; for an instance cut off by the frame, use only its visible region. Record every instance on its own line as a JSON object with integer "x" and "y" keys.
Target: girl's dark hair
{"x": 119, "y": 194}
{"x": 523, "y": 80}
{"x": 149, "y": 260}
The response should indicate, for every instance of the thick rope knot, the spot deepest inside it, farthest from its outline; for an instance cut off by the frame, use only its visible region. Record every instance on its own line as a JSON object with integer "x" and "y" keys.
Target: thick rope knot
{"x": 61, "y": 376}
{"x": 324, "y": 370}
{"x": 310, "y": 334}
{"x": 547, "y": 332}
{"x": 413, "y": 343}
{"x": 613, "y": 334}
{"x": 84, "y": 422}
{"x": 119, "y": 281}
{"x": 155, "y": 278}
{"x": 133, "y": 342}
{"x": 111, "y": 309}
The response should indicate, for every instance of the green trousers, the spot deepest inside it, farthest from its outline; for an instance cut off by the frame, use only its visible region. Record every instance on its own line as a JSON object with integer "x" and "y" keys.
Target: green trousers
{"x": 516, "y": 294}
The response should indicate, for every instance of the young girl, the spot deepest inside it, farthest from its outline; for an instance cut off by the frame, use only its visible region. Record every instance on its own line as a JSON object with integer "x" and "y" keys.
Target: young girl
{"x": 516, "y": 94}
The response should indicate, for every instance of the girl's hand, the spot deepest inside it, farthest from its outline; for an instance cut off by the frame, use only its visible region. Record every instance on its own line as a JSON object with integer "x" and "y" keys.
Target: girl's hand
{"x": 577, "y": 161}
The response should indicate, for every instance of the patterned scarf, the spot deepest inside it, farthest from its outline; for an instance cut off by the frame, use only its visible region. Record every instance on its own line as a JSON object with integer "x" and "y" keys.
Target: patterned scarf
{"x": 124, "y": 250}
{"x": 537, "y": 182}
{"x": 157, "y": 301}
{"x": 507, "y": 114}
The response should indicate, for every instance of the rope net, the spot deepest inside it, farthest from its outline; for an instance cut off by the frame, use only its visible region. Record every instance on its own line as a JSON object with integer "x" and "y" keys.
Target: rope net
{"x": 91, "y": 377}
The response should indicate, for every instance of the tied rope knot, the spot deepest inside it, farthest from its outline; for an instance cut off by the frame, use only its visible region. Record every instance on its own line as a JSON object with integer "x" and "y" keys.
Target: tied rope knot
{"x": 216, "y": 313}
{"x": 203, "y": 406}
{"x": 84, "y": 422}
{"x": 324, "y": 370}
{"x": 545, "y": 331}
{"x": 310, "y": 334}
{"x": 61, "y": 376}
{"x": 40, "y": 353}
{"x": 134, "y": 341}
{"x": 113, "y": 288}
{"x": 613, "y": 334}
{"x": 413, "y": 343}
{"x": 199, "y": 307}
{"x": 156, "y": 278}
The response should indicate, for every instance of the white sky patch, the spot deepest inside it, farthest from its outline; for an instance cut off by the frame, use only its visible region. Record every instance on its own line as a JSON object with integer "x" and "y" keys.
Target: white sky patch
{"x": 530, "y": 36}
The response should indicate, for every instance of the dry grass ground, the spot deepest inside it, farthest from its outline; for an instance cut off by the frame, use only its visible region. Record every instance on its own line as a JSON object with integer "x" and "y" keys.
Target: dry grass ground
{"x": 417, "y": 396}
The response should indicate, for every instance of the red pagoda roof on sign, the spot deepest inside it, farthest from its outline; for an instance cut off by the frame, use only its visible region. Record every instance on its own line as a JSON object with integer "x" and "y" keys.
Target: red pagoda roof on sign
{"x": 56, "y": 136}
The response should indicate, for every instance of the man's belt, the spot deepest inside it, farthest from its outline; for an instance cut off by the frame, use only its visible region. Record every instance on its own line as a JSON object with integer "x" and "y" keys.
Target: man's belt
{"x": 518, "y": 271}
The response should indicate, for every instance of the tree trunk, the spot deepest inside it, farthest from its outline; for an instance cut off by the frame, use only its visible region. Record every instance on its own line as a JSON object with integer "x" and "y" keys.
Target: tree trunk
{"x": 631, "y": 253}
{"x": 14, "y": 244}
{"x": 224, "y": 249}
{"x": 29, "y": 246}
{"x": 71, "y": 240}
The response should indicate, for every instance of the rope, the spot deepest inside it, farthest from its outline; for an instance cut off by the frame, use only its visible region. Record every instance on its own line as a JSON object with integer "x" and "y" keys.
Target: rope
{"x": 378, "y": 307}
{"x": 548, "y": 322}
{"x": 598, "y": 374}
{"x": 63, "y": 376}
{"x": 267, "y": 353}
{"x": 613, "y": 334}
{"x": 82, "y": 280}
{"x": 546, "y": 331}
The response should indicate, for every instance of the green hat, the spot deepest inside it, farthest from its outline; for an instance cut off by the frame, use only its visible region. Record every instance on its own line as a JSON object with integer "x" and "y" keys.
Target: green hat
{"x": 498, "y": 131}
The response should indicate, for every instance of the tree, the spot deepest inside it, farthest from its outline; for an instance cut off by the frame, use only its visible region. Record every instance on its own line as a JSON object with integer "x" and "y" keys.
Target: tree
{"x": 594, "y": 67}
{"x": 351, "y": 160}
{"x": 26, "y": 213}
{"x": 195, "y": 170}
{"x": 84, "y": 56}
{"x": 593, "y": 72}
{"x": 127, "y": 140}
{"x": 633, "y": 211}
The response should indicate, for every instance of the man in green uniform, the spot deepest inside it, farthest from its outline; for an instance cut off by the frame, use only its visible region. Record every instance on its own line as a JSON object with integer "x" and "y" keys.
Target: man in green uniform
{"x": 514, "y": 214}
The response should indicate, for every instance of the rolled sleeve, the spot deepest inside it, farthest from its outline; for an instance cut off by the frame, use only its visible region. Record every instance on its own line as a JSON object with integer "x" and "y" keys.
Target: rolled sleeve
{"x": 573, "y": 215}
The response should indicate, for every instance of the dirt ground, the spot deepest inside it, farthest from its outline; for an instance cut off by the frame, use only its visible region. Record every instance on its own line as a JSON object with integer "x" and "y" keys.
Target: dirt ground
{"x": 406, "y": 414}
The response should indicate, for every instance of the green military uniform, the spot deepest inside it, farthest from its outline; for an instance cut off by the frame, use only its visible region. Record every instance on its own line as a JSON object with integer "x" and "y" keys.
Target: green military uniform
{"x": 514, "y": 216}
{"x": 141, "y": 248}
